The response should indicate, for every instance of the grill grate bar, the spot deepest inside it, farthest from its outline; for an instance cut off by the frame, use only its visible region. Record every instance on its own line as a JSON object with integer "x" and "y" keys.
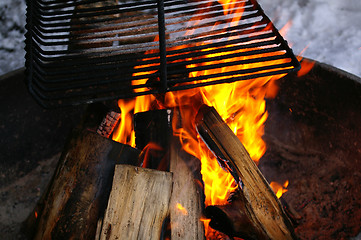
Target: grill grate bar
{"x": 92, "y": 80}
{"x": 189, "y": 42}
{"x": 187, "y": 53}
{"x": 95, "y": 50}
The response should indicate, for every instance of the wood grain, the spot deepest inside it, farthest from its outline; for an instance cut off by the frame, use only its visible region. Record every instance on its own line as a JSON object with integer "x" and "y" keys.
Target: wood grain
{"x": 186, "y": 206}
{"x": 138, "y": 203}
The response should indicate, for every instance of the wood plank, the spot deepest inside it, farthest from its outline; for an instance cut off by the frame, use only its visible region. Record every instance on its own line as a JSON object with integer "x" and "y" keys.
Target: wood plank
{"x": 186, "y": 202}
{"x": 138, "y": 204}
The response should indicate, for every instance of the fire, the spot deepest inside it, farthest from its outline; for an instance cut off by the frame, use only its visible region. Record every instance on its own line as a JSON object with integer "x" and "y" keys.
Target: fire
{"x": 182, "y": 209}
{"x": 279, "y": 189}
{"x": 241, "y": 104}
{"x": 148, "y": 150}
{"x": 207, "y": 228}
{"x": 306, "y": 65}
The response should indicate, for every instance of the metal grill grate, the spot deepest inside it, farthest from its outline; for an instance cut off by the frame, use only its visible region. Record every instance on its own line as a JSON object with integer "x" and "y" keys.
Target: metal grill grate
{"x": 86, "y": 51}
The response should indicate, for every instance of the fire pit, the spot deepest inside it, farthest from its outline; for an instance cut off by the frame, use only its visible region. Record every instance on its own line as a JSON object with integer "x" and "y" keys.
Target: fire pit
{"x": 81, "y": 52}
{"x": 316, "y": 149}
{"x": 260, "y": 86}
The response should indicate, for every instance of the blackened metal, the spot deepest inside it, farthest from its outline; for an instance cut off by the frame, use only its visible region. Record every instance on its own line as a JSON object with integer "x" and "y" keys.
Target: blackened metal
{"x": 162, "y": 46}
{"x": 92, "y": 50}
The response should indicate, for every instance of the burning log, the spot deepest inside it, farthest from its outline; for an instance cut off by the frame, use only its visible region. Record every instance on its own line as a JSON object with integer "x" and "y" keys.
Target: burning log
{"x": 186, "y": 202}
{"x": 262, "y": 207}
{"x": 152, "y": 133}
{"x": 138, "y": 204}
{"x": 154, "y": 127}
{"x": 235, "y": 219}
{"x": 79, "y": 190}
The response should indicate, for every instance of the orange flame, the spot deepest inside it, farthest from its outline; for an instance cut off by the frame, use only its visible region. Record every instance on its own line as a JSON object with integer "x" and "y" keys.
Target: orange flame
{"x": 207, "y": 228}
{"x": 241, "y": 104}
{"x": 285, "y": 28}
{"x": 149, "y": 150}
{"x": 279, "y": 189}
{"x": 306, "y": 65}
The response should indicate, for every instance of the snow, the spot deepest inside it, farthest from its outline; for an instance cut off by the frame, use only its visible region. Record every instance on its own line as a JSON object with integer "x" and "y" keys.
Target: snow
{"x": 331, "y": 29}
{"x": 12, "y": 30}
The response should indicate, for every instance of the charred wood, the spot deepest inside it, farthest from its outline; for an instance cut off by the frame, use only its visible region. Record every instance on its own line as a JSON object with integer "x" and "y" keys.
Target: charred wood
{"x": 152, "y": 134}
{"x": 235, "y": 219}
{"x": 294, "y": 216}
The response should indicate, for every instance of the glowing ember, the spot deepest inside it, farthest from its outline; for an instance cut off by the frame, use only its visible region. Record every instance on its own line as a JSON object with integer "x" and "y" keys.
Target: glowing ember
{"x": 182, "y": 209}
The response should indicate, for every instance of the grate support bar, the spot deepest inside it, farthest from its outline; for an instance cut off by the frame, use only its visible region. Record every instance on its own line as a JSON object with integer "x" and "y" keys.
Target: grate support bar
{"x": 162, "y": 46}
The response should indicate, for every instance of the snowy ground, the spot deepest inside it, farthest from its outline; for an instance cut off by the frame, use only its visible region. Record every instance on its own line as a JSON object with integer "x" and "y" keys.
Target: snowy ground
{"x": 12, "y": 30}
{"x": 331, "y": 29}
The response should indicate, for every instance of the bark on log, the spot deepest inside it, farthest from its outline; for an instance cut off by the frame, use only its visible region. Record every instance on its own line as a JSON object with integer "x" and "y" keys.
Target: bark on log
{"x": 265, "y": 210}
{"x": 80, "y": 187}
{"x": 138, "y": 204}
{"x": 187, "y": 199}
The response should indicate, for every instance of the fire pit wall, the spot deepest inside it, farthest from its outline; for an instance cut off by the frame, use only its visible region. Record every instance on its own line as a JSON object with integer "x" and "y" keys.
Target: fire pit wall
{"x": 313, "y": 137}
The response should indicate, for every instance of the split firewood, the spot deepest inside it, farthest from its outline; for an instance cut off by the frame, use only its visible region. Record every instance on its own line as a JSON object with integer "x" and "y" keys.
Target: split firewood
{"x": 265, "y": 211}
{"x": 77, "y": 195}
{"x": 152, "y": 134}
{"x": 187, "y": 198}
{"x": 138, "y": 204}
